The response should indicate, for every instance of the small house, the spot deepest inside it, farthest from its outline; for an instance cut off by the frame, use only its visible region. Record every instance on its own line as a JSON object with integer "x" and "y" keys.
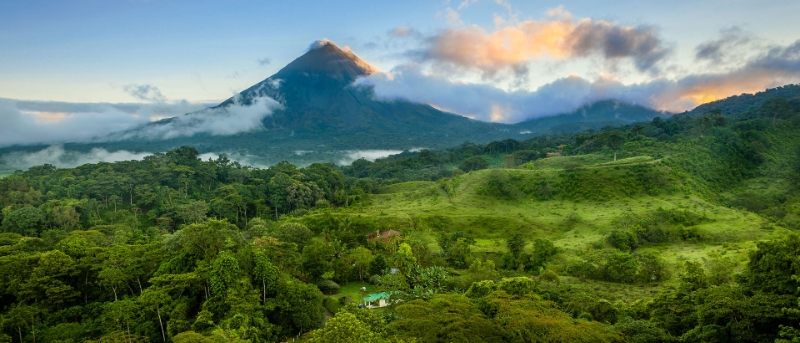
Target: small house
{"x": 378, "y": 300}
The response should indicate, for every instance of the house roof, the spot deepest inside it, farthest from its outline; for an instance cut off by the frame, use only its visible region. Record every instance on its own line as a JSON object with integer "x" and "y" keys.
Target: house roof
{"x": 379, "y": 296}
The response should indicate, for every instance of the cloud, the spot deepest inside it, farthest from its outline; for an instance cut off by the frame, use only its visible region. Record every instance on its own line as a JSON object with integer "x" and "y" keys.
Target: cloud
{"x": 466, "y": 3}
{"x": 145, "y": 92}
{"x": 452, "y": 17}
{"x": 59, "y": 157}
{"x": 320, "y": 44}
{"x": 63, "y": 158}
{"x": 214, "y": 121}
{"x": 40, "y": 122}
{"x": 716, "y": 50}
{"x": 371, "y": 155}
{"x": 264, "y": 61}
{"x": 613, "y": 42}
{"x": 404, "y": 31}
{"x": 559, "y": 36}
{"x": 773, "y": 67}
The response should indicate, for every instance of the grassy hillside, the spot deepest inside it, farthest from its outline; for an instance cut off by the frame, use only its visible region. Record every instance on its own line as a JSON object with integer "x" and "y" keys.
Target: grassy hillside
{"x": 576, "y": 202}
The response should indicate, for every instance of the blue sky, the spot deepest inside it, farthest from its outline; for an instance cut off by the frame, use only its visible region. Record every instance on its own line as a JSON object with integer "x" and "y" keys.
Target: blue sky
{"x": 200, "y": 52}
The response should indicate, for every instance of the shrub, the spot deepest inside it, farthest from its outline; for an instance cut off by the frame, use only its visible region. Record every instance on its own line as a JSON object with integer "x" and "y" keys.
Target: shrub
{"x": 328, "y": 287}
{"x": 621, "y": 267}
{"x": 481, "y": 289}
{"x": 517, "y": 286}
{"x": 375, "y": 279}
{"x": 623, "y": 240}
{"x": 473, "y": 163}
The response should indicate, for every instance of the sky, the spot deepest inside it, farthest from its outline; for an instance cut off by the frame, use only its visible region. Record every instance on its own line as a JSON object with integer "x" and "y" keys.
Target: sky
{"x": 71, "y": 70}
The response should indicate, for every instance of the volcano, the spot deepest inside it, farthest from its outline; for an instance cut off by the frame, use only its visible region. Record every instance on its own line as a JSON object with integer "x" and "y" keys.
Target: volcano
{"x": 320, "y": 96}
{"x": 322, "y": 111}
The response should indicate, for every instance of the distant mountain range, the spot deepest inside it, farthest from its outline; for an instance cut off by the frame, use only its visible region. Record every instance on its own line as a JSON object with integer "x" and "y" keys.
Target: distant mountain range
{"x": 324, "y": 115}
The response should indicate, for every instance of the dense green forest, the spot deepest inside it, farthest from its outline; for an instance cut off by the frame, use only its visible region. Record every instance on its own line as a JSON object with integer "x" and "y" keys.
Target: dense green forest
{"x": 674, "y": 230}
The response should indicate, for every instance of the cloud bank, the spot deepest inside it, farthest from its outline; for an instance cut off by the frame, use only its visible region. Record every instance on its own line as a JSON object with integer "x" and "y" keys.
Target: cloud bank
{"x": 59, "y": 157}
{"x": 560, "y": 36}
{"x": 63, "y": 158}
{"x": 775, "y": 66}
{"x": 214, "y": 121}
{"x": 41, "y": 122}
{"x": 36, "y": 122}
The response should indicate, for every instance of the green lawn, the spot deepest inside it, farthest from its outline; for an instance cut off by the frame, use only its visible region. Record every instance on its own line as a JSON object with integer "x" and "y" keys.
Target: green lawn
{"x": 353, "y": 293}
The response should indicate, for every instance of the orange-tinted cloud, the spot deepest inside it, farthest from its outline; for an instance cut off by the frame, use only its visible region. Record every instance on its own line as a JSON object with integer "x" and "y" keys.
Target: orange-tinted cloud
{"x": 775, "y": 67}
{"x": 511, "y": 47}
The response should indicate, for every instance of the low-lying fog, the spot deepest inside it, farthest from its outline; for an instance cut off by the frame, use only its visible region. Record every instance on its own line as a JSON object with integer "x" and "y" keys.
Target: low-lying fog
{"x": 60, "y": 157}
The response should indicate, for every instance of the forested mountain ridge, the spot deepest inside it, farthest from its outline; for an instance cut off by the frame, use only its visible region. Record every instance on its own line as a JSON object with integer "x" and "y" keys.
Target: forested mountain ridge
{"x": 591, "y": 116}
{"x": 738, "y": 104}
{"x": 679, "y": 229}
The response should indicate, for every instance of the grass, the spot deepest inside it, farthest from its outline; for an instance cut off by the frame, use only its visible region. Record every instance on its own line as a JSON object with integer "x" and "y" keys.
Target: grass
{"x": 576, "y": 225}
{"x": 353, "y": 293}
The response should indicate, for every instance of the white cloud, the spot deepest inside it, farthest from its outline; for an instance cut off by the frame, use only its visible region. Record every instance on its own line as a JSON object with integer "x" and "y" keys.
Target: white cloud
{"x": 34, "y": 122}
{"x": 59, "y": 157}
{"x": 41, "y": 122}
{"x": 370, "y": 155}
{"x": 483, "y": 101}
{"x": 214, "y": 121}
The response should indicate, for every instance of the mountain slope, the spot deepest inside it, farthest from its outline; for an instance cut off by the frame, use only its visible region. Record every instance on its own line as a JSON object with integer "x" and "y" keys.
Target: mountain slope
{"x": 738, "y": 104}
{"x": 319, "y": 97}
{"x": 592, "y": 116}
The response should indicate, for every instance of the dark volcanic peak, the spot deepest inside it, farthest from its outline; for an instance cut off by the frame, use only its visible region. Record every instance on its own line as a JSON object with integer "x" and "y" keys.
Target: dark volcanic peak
{"x": 326, "y": 58}
{"x": 323, "y": 71}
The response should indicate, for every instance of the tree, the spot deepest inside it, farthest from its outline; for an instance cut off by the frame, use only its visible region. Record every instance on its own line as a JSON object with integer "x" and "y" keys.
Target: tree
{"x": 27, "y": 221}
{"x": 444, "y": 318}
{"x": 779, "y": 108}
{"x": 516, "y": 244}
{"x": 193, "y": 212}
{"x": 705, "y": 121}
{"x": 277, "y": 186}
{"x": 378, "y": 265}
{"x": 293, "y": 233}
{"x": 208, "y": 239}
{"x": 615, "y": 139}
{"x": 456, "y": 247}
{"x": 114, "y": 199}
{"x": 155, "y": 299}
{"x": 543, "y": 250}
{"x": 473, "y": 163}
{"x": 265, "y": 273}
{"x": 345, "y": 328}
{"x": 224, "y": 273}
{"x": 362, "y": 258}
{"x": 404, "y": 258}
{"x": 621, "y": 267}
{"x": 24, "y": 317}
{"x": 317, "y": 258}
{"x": 66, "y": 217}
{"x": 299, "y": 305}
